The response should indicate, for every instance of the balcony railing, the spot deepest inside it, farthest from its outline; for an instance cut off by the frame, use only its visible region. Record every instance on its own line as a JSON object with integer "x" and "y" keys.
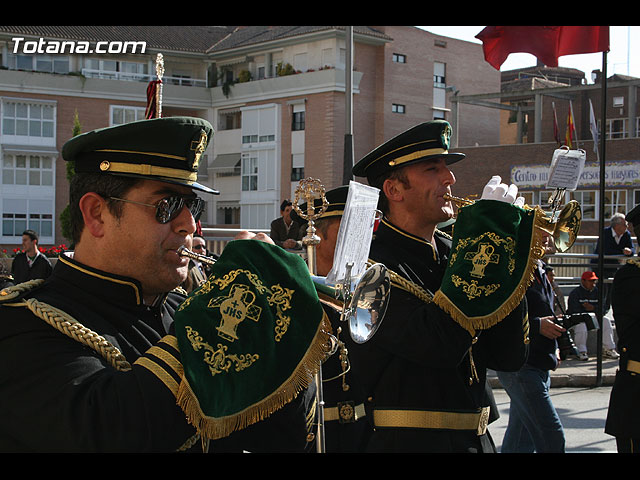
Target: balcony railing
{"x": 142, "y": 77}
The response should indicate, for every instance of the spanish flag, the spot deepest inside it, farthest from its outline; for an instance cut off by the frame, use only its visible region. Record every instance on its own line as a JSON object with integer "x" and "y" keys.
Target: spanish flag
{"x": 570, "y": 134}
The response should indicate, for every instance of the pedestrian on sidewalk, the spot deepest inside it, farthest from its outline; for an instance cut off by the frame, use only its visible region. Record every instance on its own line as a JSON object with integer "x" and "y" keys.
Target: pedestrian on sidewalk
{"x": 560, "y": 305}
{"x": 534, "y": 424}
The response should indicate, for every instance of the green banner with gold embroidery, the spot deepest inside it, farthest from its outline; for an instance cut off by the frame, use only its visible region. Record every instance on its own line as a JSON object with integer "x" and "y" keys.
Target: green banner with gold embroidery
{"x": 251, "y": 338}
{"x": 495, "y": 248}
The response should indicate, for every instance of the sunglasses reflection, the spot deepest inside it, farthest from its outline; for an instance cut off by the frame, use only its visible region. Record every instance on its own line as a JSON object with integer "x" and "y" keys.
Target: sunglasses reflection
{"x": 168, "y": 208}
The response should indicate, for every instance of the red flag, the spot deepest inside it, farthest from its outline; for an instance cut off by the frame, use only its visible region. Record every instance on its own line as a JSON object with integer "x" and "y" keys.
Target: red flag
{"x": 546, "y": 43}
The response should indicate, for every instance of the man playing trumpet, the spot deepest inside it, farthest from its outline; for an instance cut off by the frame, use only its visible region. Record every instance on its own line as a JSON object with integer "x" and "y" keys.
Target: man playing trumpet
{"x": 90, "y": 360}
{"x": 424, "y": 371}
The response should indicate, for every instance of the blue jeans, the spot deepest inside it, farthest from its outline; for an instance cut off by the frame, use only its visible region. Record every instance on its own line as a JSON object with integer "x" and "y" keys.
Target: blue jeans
{"x": 534, "y": 424}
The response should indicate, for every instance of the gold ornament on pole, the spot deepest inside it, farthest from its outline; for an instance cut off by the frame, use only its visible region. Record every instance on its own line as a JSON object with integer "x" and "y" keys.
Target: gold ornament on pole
{"x": 310, "y": 189}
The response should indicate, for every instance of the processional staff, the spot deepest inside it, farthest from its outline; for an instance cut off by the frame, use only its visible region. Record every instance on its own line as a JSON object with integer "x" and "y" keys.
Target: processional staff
{"x": 310, "y": 189}
{"x": 154, "y": 91}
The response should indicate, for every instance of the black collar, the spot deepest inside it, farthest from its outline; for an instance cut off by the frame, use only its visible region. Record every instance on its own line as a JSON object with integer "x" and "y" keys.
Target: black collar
{"x": 410, "y": 256}
{"x": 123, "y": 290}
{"x": 390, "y": 233}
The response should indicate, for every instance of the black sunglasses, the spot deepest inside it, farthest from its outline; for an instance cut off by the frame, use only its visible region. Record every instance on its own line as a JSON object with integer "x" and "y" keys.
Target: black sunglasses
{"x": 170, "y": 207}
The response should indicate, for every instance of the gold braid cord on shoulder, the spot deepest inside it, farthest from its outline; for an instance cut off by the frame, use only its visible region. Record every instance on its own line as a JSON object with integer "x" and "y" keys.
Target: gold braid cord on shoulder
{"x": 64, "y": 323}
{"x": 402, "y": 283}
{"x": 69, "y": 326}
{"x": 634, "y": 261}
{"x": 14, "y": 291}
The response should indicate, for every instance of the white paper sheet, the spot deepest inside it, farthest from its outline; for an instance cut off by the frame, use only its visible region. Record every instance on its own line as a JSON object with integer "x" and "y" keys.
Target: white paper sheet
{"x": 355, "y": 233}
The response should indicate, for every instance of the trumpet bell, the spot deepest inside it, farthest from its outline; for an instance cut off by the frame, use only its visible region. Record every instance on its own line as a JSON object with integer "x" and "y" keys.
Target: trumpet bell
{"x": 369, "y": 304}
{"x": 566, "y": 227}
{"x": 365, "y": 303}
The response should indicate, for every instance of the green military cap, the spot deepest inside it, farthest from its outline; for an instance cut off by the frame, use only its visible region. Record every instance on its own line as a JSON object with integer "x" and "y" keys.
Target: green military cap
{"x": 165, "y": 149}
{"x": 422, "y": 142}
{"x": 336, "y": 198}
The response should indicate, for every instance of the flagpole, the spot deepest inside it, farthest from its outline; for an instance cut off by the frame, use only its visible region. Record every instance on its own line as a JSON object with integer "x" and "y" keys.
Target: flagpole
{"x": 348, "y": 93}
{"x": 594, "y": 132}
{"x": 603, "y": 129}
{"x": 556, "y": 130}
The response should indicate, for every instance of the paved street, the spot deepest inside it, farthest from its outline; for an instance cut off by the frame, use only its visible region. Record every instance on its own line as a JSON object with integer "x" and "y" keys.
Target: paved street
{"x": 583, "y": 412}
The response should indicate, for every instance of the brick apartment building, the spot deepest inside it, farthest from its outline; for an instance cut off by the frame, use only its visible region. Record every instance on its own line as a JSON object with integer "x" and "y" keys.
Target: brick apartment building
{"x": 275, "y": 96}
{"x": 527, "y": 146}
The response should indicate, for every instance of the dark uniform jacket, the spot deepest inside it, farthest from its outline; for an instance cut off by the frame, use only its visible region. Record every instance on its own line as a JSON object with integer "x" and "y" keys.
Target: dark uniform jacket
{"x": 346, "y": 427}
{"x": 23, "y": 272}
{"x": 540, "y": 301}
{"x": 64, "y": 389}
{"x": 419, "y": 359}
{"x": 623, "y": 419}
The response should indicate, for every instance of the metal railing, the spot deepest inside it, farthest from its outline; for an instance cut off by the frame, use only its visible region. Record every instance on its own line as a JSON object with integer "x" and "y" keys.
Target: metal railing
{"x": 217, "y": 238}
{"x": 568, "y": 267}
{"x": 142, "y": 77}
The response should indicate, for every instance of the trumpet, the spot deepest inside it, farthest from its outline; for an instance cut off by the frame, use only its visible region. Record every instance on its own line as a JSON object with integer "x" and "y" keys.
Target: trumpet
{"x": 185, "y": 252}
{"x": 564, "y": 229}
{"x": 363, "y": 302}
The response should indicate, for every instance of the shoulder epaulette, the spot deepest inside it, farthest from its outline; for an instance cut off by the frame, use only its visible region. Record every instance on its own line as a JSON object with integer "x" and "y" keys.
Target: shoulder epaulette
{"x": 69, "y": 326}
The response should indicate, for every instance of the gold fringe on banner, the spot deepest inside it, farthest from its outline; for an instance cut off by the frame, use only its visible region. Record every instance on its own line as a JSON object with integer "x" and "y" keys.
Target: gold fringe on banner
{"x": 300, "y": 379}
{"x": 473, "y": 324}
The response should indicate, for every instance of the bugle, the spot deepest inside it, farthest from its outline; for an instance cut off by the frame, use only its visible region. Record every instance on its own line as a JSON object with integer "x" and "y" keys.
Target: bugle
{"x": 185, "y": 252}
{"x": 362, "y": 303}
{"x": 564, "y": 229}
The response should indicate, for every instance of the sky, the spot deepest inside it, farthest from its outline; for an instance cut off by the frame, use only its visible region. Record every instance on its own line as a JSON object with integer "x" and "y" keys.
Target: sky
{"x": 623, "y": 57}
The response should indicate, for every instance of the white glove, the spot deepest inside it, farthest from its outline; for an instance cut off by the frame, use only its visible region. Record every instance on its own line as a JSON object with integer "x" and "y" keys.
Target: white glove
{"x": 495, "y": 190}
